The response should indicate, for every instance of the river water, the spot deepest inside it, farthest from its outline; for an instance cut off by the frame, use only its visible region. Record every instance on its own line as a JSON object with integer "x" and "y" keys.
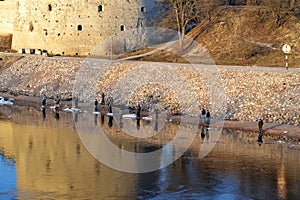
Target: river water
{"x": 43, "y": 157}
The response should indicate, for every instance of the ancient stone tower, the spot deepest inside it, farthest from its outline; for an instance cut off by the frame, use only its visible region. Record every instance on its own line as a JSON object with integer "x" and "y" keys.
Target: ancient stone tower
{"x": 70, "y": 27}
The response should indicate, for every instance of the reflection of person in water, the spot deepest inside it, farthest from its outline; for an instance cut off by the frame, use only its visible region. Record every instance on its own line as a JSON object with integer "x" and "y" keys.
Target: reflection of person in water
{"x": 121, "y": 118}
{"x": 102, "y": 118}
{"x": 110, "y": 121}
{"x": 57, "y": 114}
{"x": 95, "y": 120}
{"x": 44, "y": 113}
{"x": 156, "y": 120}
{"x": 138, "y": 125}
{"x": 207, "y": 133}
{"x": 76, "y": 117}
{"x": 202, "y": 131}
{"x": 76, "y": 102}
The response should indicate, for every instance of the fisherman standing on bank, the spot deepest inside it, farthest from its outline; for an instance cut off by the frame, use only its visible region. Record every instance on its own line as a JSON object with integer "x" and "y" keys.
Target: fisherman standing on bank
{"x": 208, "y": 117}
{"x": 57, "y": 102}
{"x": 203, "y": 113}
{"x": 96, "y": 105}
{"x": 44, "y": 101}
{"x": 138, "y": 111}
{"x": 260, "y": 125}
{"x": 260, "y": 134}
{"x": 103, "y": 99}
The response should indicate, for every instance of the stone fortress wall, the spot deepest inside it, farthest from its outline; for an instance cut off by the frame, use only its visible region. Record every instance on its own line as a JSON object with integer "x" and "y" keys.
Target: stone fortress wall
{"x": 8, "y": 12}
{"x": 73, "y": 27}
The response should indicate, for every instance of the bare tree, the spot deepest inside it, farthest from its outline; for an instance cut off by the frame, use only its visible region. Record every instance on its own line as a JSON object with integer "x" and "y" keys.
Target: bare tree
{"x": 278, "y": 9}
{"x": 253, "y": 2}
{"x": 185, "y": 12}
{"x": 207, "y": 7}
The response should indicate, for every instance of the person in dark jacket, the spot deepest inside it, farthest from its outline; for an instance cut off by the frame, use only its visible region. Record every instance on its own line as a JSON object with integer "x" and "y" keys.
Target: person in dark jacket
{"x": 203, "y": 113}
{"x": 208, "y": 117}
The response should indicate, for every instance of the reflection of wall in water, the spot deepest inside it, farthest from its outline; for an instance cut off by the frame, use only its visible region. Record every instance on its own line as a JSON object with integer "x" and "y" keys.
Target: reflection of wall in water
{"x": 54, "y": 160}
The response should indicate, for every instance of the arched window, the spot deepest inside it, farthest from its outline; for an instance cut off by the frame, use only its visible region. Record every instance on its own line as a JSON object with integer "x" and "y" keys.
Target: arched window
{"x": 100, "y": 9}
{"x": 79, "y": 28}
{"x": 122, "y": 28}
{"x": 49, "y": 7}
{"x": 142, "y": 9}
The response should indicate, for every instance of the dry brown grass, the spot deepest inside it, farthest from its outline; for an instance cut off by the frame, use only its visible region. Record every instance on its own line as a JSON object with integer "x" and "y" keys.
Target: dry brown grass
{"x": 6, "y": 60}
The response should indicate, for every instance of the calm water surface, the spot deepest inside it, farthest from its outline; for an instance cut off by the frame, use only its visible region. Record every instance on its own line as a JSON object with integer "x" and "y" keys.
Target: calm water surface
{"x": 42, "y": 157}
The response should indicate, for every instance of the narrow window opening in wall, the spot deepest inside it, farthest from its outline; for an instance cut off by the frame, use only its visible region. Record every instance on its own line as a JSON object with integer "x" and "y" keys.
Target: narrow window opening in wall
{"x": 78, "y": 15}
{"x": 79, "y": 28}
{"x": 46, "y": 33}
{"x": 122, "y": 28}
{"x": 88, "y": 16}
{"x": 63, "y": 53}
{"x": 31, "y": 27}
{"x": 58, "y": 34}
{"x": 71, "y": 25}
{"x": 89, "y": 34}
{"x": 142, "y": 9}
{"x": 91, "y": 25}
{"x": 49, "y": 7}
{"x": 100, "y": 9}
{"x": 76, "y": 54}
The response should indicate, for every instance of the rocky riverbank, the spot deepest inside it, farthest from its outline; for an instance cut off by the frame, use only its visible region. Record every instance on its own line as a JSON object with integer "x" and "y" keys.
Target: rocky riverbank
{"x": 250, "y": 93}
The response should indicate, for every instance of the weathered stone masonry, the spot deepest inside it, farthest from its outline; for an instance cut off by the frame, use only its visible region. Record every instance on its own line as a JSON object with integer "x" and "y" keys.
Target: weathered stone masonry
{"x": 73, "y": 27}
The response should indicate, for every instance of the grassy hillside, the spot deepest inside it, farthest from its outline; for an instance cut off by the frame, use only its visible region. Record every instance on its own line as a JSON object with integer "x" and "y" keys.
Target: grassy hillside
{"x": 243, "y": 35}
{"x": 246, "y": 36}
